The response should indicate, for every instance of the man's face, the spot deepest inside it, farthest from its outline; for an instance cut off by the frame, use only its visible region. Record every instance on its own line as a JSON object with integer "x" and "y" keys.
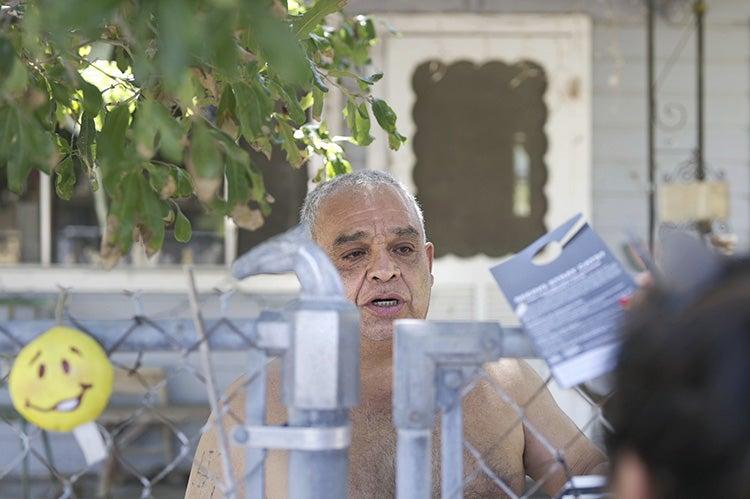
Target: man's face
{"x": 374, "y": 238}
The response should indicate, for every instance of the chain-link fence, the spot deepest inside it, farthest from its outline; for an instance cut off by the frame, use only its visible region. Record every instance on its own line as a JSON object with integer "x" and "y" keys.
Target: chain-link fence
{"x": 151, "y": 439}
{"x": 170, "y": 375}
{"x": 315, "y": 337}
{"x": 442, "y": 368}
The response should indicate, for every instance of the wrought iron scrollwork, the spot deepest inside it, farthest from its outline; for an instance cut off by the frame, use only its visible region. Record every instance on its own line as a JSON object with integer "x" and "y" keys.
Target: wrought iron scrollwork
{"x": 672, "y": 117}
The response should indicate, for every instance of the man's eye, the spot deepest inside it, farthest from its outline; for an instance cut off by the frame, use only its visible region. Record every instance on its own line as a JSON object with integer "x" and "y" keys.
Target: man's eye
{"x": 353, "y": 255}
{"x": 404, "y": 250}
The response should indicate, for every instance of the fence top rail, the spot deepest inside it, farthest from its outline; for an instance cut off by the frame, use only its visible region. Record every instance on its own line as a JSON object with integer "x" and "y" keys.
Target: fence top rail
{"x": 139, "y": 333}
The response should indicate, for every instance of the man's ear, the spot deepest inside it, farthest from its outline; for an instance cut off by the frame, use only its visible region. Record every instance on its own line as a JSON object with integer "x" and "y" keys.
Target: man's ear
{"x": 430, "y": 250}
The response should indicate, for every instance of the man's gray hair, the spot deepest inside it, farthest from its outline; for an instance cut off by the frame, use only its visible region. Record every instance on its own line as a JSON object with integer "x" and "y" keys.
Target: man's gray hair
{"x": 367, "y": 179}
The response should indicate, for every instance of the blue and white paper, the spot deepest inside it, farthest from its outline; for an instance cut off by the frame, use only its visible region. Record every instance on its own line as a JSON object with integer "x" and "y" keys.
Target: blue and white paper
{"x": 569, "y": 305}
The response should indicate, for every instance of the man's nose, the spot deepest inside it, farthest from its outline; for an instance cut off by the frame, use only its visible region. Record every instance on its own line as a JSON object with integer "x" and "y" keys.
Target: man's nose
{"x": 382, "y": 267}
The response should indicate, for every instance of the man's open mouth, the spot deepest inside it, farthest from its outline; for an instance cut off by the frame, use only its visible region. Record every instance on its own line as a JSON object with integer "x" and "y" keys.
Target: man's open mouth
{"x": 387, "y": 307}
{"x": 65, "y": 405}
{"x": 385, "y": 302}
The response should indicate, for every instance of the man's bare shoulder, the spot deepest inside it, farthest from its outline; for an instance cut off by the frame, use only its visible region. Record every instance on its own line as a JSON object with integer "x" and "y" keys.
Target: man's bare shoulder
{"x": 514, "y": 377}
{"x": 206, "y": 471}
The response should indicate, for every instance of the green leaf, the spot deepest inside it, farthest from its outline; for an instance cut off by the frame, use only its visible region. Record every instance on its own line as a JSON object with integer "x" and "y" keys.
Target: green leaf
{"x": 152, "y": 121}
{"x": 384, "y": 114}
{"x": 177, "y": 30}
{"x": 395, "y": 140}
{"x": 205, "y": 162}
{"x": 8, "y": 130}
{"x": 162, "y": 179}
{"x": 247, "y": 111}
{"x": 258, "y": 190}
{"x": 44, "y": 155}
{"x": 85, "y": 140}
{"x": 125, "y": 207}
{"x": 220, "y": 46}
{"x": 144, "y": 130}
{"x": 110, "y": 145}
{"x": 238, "y": 183}
{"x": 263, "y": 145}
{"x": 111, "y": 155}
{"x": 31, "y": 146}
{"x": 227, "y": 105}
{"x": 63, "y": 145}
{"x": 183, "y": 231}
{"x": 152, "y": 230}
{"x": 16, "y": 81}
{"x": 289, "y": 144}
{"x": 307, "y": 101}
{"x": 184, "y": 183}
{"x": 337, "y": 166}
{"x": 171, "y": 134}
{"x": 205, "y": 155}
{"x": 92, "y": 98}
{"x": 60, "y": 93}
{"x": 292, "y": 103}
{"x": 367, "y": 81}
{"x": 167, "y": 214}
{"x": 277, "y": 45}
{"x": 18, "y": 166}
{"x": 314, "y": 16}
{"x": 318, "y": 101}
{"x": 387, "y": 121}
{"x": 65, "y": 178}
{"x": 370, "y": 32}
{"x": 318, "y": 79}
{"x": 319, "y": 41}
{"x": 122, "y": 59}
{"x": 350, "y": 113}
{"x": 362, "y": 121}
{"x": 7, "y": 57}
{"x": 44, "y": 107}
{"x": 265, "y": 102}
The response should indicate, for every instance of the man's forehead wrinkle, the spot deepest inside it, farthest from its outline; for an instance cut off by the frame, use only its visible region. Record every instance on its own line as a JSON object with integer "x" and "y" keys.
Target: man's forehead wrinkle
{"x": 379, "y": 212}
{"x": 349, "y": 237}
{"x": 405, "y": 231}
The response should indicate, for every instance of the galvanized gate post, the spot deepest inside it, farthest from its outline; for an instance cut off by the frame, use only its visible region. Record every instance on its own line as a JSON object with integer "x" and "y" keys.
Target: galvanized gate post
{"x": 432, "y": 361}
{"x": 318, "y": 336}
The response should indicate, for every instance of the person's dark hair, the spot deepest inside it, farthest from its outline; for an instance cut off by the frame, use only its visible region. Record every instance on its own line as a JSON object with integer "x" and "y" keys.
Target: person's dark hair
{"x": 682, "y": 390}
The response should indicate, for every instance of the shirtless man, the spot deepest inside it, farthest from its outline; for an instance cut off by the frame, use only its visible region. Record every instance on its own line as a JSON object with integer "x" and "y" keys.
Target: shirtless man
{"x": 373, "y": 231}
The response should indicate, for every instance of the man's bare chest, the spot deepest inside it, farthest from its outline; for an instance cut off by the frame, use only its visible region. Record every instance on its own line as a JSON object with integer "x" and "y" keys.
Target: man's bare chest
{"x": 372, "y": 470}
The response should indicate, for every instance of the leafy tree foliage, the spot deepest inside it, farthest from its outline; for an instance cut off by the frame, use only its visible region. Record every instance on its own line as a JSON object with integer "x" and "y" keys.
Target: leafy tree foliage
{"x": 150, "y": 99}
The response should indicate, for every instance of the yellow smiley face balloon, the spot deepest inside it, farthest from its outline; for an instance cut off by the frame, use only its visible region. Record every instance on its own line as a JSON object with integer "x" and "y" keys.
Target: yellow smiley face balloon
{"x": 61, "y": 380}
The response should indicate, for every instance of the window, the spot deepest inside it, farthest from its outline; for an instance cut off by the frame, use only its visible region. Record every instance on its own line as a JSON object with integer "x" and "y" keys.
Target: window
{"x": 19, "y": 223}
{"x": 479, "y": 147}
{"x": 39, "y": 227}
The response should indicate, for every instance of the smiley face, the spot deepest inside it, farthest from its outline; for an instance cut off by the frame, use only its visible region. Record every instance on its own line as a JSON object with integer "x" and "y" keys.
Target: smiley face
{"x": 61, "y": 380}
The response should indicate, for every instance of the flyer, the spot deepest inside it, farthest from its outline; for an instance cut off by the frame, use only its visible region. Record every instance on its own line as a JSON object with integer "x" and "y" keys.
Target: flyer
{"x": 567, "y": 290}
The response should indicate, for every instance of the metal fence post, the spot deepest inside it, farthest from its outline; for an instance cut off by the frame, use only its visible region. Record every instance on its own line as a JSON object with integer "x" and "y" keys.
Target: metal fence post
{"x": 320, "y": 369}
{"x": 431, "y": 361}
{"x": 255, "y": 405}
{"x": 321, "y": 384}
{"x": 451, "y": 434}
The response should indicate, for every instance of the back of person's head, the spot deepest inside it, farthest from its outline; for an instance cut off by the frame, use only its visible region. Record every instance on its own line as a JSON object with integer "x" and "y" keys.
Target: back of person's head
{"x": 681, "y": 406}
